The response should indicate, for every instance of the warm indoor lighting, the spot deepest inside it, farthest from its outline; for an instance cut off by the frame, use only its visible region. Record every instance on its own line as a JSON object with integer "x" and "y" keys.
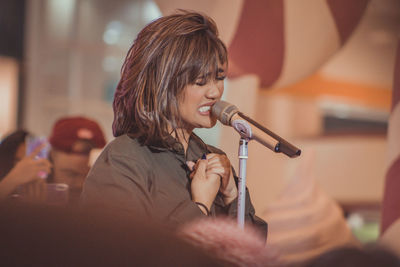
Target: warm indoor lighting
{"x": 8, "y": 94}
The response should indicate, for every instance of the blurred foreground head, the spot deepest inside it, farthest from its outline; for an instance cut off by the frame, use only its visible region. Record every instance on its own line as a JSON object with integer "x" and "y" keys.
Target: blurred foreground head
{"x": 54, "y": 236}
{"x": 72, "y": 139}
{"x": 225, "y": 240}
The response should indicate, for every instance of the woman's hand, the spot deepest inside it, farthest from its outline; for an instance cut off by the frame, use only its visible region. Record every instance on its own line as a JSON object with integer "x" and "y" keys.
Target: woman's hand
{"x": 217, "y": 172}
{"x": 25, "y": 171}
{"x": 205, "y": 184}
{"x": 219, "y": 164}
{"x": 30, "y": 168}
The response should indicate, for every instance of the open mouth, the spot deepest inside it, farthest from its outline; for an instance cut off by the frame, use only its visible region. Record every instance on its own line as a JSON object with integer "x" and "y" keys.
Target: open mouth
{"x": 204, "y": 109}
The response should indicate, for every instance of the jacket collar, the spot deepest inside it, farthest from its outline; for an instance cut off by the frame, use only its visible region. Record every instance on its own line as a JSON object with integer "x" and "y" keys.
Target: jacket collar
{"x": 195, "y": 146}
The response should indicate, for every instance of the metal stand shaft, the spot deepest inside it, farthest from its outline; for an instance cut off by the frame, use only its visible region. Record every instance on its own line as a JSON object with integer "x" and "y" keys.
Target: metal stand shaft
{"x": 243, "y": 155}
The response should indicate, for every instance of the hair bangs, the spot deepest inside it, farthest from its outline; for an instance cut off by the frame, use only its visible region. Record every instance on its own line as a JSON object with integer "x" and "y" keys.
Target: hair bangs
{"x": 206, "y": 58}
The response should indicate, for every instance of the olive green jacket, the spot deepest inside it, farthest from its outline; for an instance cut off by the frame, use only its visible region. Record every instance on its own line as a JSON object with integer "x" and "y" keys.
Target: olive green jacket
{"x": 153, "y": 181}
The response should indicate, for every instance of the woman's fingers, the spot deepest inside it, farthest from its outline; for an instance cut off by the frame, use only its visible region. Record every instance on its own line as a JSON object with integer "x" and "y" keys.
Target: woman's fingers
{"x": 218, "y": 159}
{"x": 199, "y": 167}
{"x": 29, "y": 169}
{"x": 211, "y": 175}
{"x": 190, "y": 165}
{"x": 204, "y": 185}
{"x": 216, "y": 170}
{"x": 220, "y": 165}
{"x": 211, "y": 164}
{"x": 44, "y": 165}
{"x": 37, "y": 150}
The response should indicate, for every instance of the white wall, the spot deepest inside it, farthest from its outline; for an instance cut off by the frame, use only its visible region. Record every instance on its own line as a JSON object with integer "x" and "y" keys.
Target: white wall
{"x": 8, "y": 94}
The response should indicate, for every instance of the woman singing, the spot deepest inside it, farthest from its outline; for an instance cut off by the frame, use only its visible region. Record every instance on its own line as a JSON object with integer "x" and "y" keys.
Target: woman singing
{"x": 157, "y": 167}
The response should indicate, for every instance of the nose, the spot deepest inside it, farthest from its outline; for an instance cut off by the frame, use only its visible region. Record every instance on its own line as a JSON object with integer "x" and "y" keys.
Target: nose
{"x": 215, "y": 89}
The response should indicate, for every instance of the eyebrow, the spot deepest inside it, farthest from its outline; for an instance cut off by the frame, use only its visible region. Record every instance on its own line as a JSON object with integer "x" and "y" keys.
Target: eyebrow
{"x": 220, "y": 70}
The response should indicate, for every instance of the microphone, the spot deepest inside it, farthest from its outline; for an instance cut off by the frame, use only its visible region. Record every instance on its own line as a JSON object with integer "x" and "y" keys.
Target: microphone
{"x": 230, "y": 115}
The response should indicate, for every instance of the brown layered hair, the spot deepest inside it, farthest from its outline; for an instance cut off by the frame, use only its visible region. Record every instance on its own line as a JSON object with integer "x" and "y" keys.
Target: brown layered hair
{"x": 167, "y": 55}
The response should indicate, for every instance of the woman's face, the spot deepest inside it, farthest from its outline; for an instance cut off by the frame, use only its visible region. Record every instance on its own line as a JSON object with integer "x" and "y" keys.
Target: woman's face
{"x": 195, "y": 106}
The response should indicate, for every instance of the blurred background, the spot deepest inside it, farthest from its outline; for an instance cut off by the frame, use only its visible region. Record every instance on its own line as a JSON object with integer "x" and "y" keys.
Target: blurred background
{"x": 318, "y": 73}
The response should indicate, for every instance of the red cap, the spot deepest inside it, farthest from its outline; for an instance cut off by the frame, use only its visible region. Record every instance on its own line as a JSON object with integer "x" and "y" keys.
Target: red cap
{"x": 67, "y": 131}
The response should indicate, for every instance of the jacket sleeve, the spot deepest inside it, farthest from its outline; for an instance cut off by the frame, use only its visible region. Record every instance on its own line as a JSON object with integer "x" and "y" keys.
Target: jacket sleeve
{"x": 231, "y": 210}
{"x": 118, "y": 183}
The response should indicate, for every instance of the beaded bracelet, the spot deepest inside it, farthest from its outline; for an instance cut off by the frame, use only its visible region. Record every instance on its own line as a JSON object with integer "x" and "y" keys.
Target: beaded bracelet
{"x": 204, "y": 206}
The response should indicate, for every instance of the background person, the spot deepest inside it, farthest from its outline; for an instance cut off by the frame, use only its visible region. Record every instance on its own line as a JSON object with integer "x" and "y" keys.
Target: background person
{"x": 72, "y": 139}
{"x": 17, "y": 169}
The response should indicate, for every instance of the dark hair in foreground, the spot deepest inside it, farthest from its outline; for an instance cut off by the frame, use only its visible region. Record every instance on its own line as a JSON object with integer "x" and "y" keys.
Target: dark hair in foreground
{"x": 8, "y": 148}
{"x": 167, "y": 55}
{"x": 58, "y": 236}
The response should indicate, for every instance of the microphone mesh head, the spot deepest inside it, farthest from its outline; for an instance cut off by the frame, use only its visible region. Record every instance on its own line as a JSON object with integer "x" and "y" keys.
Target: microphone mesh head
{"x": 224, "y": 111}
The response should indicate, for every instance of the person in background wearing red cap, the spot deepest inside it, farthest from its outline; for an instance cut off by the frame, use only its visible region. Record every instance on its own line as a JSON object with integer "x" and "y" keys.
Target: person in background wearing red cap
{"x": 72, "y": 140}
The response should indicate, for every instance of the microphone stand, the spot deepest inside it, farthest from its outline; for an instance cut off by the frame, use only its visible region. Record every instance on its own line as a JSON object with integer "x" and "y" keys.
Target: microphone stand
{"x": 224, "y": 112}
{"x": 244, "y": 129}
{"x": 243, "y": 156}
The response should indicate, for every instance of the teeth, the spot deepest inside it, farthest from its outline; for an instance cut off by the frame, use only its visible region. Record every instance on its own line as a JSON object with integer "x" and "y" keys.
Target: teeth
{"x": 204, "y": 108}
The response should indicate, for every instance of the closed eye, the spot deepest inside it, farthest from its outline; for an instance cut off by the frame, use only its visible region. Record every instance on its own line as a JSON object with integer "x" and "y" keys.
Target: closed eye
{"x": 201, "y": 82}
